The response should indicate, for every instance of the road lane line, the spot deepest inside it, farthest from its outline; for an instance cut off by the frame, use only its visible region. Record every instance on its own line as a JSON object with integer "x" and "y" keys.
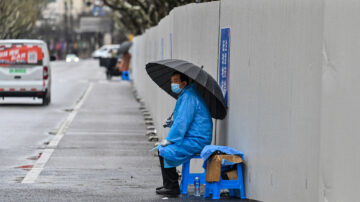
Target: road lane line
{"x": 34, "y": 173}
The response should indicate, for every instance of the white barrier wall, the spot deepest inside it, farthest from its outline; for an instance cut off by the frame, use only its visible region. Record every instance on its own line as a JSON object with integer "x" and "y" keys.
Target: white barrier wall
{"x": 340, "y": 162}
{"x": 293, "y": 91}
{"x": 153, "y": 45}
{"x": 189, "y": 33}
{"x": 275, "y": 94}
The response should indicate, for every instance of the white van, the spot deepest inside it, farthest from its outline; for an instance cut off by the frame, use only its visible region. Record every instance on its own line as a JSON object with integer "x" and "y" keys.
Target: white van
{"x": 25, "y": 69}
{"x": 105, "y": 51}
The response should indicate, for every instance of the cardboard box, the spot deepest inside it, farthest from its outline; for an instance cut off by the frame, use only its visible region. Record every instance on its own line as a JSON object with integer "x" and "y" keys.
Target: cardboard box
{"x": 213, "y": 168}
{"x": 232, "y": 174}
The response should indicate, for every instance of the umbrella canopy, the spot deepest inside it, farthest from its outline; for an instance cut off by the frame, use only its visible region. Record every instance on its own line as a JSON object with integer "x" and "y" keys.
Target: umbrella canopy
{"x": 124, "y": 47}
{"x": 161, "y": 72}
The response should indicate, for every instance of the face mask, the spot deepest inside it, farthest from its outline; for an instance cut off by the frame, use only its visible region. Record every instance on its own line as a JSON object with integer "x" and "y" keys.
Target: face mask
{"x": 175, "y": 88}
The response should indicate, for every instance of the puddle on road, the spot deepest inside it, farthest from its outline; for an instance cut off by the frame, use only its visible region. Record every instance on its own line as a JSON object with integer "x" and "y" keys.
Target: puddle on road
{"x": 19, "y": 179}
{"x": 68, "y": 110}
{"x": 53, "y": 132}
{"x": 25, "y": 167}
{"x": 34, "y": 158}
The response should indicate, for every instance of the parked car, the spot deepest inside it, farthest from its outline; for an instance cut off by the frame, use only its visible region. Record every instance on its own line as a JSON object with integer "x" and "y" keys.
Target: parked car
{"x": 105, "y": 51}
{"x": 25, "y": 69}
{"x": 72, "y": 58}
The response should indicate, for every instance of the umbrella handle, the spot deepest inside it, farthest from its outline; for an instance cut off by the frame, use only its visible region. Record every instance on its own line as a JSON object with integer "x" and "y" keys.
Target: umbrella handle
{"x": 170, "y": 117}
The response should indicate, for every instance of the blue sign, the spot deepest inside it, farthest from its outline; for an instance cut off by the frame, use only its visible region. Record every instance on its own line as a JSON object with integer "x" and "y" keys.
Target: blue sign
{"x": 98, "y": 11}
{"x": 224, "y": 62}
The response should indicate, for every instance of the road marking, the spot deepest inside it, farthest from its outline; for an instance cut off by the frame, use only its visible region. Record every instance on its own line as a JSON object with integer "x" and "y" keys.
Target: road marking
{"x": 34, "y": 173}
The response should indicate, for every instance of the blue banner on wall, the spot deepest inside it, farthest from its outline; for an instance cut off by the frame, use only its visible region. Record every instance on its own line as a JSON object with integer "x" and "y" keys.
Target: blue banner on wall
{"x": 224, "y": 62}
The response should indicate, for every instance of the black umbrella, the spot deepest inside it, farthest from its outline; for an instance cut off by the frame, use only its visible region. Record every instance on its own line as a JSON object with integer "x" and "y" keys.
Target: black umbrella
{"x": 161, "y": 72}
{"x": 124, "y": 47}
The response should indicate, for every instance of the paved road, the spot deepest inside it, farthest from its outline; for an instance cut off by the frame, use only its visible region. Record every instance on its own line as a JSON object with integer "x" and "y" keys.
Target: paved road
{"x": 25, "y": 125}
{"x": 103, "y": 156}
{"x": 91, "y": 140}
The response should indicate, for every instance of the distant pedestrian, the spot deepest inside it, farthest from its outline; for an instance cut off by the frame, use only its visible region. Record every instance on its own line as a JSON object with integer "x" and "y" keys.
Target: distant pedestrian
{"x": 124, "y": 63}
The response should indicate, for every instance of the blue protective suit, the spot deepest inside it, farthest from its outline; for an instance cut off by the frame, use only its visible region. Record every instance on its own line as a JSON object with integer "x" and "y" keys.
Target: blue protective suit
{"x": 191, "y": 130}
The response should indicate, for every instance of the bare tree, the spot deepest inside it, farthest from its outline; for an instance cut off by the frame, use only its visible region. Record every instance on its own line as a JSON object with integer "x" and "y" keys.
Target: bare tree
{"x": 18, "y": 17}
{"x": 137, "y": 15}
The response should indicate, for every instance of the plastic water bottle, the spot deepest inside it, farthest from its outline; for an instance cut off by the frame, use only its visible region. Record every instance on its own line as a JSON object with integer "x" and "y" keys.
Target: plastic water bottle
{"x": 197, "y": 186}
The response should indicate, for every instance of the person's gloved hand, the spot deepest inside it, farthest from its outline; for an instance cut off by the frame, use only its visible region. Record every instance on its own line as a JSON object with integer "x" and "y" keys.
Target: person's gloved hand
{"x": 165, "y": 142}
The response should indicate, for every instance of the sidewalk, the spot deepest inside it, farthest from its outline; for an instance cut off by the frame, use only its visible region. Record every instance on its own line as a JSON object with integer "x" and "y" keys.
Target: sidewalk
{"x": 104, "y": 152}
{"x": 104, "y": 155}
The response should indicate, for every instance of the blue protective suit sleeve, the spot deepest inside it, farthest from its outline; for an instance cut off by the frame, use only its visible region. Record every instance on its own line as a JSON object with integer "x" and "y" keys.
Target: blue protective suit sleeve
{"x": 185, "y": 114}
